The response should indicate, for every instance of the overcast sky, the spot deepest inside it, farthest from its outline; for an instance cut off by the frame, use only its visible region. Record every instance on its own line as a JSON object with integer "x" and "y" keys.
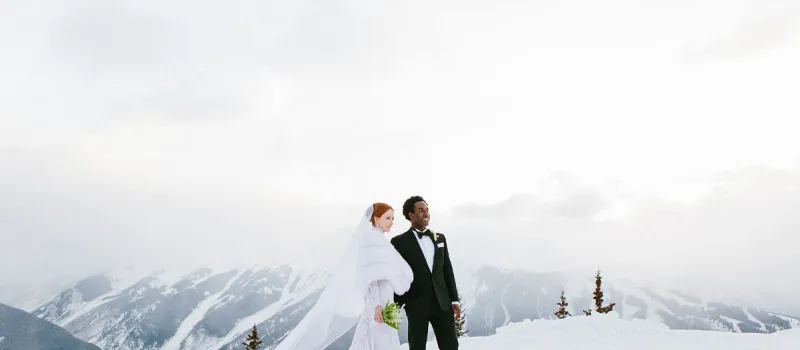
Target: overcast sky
{"x": 150, "y": 132}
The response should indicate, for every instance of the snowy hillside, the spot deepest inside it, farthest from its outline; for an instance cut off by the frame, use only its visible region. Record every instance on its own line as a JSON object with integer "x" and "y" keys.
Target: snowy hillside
{"x": 213, "y": 309}
{"x": 610, "y": 332}
{"x": 20, "y": 330}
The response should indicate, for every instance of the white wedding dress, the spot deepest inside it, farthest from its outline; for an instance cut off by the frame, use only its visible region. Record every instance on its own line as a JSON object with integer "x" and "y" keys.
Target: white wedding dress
{"x": 371, "y": 271}
{"x": 371, "y": 335}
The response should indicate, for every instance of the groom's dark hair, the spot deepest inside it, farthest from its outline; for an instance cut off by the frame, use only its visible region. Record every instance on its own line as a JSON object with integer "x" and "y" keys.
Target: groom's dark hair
{"x": 408, "y": 206}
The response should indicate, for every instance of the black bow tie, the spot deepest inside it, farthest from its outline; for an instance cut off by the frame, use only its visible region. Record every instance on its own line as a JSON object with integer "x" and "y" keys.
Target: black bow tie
{"x": 424, "y": 233}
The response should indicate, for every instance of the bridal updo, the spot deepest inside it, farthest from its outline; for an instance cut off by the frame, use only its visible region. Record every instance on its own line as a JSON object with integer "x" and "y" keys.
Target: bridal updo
{"x": 378, "y": 209}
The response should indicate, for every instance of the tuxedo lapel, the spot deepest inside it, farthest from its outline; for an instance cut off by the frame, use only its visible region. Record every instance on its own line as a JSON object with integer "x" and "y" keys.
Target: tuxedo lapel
{"x": 414, "y": 246}
{"x": 438, "y": 257}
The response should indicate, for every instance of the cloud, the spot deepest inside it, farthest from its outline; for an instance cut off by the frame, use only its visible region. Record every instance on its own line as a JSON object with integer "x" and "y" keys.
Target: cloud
{"x": 121, "y": 61}
{"x": 736, "y": 244}
{"x": 99, "y": 37}
{"x": 748, "y": 39}
{"x": 55, "y": 211}
{"x": 562, "y": 196}
{"x": 145, "y": 131}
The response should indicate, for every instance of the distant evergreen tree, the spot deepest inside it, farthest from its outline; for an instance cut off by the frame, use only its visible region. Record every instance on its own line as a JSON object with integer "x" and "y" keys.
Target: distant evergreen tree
{"x": 587, "y": 312}
{"x": 598, "y": 297}
{"x": 461, "y": 330}
{"x": 562, "y": 312}
{"x": 252, "y": 342}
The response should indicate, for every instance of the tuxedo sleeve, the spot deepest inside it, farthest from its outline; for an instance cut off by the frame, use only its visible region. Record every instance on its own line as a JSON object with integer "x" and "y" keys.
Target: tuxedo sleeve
{"x": 449, "y": 276}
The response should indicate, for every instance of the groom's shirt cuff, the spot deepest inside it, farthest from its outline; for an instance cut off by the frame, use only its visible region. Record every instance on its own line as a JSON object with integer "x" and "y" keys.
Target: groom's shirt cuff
{"x": 455, "y": 303}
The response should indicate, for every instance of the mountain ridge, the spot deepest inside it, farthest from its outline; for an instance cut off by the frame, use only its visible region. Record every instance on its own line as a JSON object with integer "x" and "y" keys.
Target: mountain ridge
{"x": 203, "y": 308}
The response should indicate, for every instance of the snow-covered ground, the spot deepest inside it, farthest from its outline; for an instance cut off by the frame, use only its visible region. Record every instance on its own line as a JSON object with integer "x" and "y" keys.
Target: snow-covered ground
{"x": 607, "y": 332}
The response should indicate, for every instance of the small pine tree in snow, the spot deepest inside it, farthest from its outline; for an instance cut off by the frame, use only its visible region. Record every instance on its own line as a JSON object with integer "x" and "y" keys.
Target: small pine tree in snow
{"x": 587, "y": 312}
{"x": 252, "y": 342}
{"x": 461, "y": 330}
{"x": 598, "y": 297}
{"x": 562, "y": 312}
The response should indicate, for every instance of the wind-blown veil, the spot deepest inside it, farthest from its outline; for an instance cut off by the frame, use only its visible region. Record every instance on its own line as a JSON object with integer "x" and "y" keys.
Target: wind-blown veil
{"x": 368, "y": 257}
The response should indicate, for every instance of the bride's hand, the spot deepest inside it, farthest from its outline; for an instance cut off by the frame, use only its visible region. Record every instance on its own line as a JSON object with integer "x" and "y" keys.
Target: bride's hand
{"x": 379, "y": 314}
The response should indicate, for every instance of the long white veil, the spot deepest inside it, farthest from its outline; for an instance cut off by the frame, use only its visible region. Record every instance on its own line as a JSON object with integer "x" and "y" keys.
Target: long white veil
{"x": 368, "y": 257}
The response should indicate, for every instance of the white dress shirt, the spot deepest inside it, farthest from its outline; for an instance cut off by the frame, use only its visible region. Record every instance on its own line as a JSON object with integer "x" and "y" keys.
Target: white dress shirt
{"x": 426, "y": 244}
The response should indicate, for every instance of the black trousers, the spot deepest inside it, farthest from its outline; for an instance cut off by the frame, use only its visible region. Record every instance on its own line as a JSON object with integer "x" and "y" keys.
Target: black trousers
{"x": 442, "y": 321}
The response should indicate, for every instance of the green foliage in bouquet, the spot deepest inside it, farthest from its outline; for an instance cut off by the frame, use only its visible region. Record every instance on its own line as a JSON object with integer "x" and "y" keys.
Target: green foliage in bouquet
{"x": 391, "y": 315}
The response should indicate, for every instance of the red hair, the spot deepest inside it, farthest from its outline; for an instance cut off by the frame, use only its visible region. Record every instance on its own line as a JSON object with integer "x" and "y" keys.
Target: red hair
{"x": 378, "y": 209}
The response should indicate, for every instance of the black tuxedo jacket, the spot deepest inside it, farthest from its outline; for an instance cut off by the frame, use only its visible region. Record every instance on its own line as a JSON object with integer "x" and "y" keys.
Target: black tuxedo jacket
{"x": 441, "y": 279}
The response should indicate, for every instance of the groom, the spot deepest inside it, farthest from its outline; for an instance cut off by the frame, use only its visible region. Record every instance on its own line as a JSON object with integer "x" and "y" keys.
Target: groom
{"x": 433, "y": 297}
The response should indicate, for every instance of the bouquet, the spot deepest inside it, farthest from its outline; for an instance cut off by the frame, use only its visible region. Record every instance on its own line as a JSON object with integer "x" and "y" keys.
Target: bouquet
{"x": 391, "y": 315}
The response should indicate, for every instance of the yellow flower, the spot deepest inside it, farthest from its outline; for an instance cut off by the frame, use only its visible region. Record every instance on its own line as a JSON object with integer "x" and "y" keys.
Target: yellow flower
{"x": 435, "y": 236}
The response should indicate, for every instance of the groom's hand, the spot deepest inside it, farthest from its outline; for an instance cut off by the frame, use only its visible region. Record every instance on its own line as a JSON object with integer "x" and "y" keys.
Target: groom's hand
{"x": 456, "y": 311}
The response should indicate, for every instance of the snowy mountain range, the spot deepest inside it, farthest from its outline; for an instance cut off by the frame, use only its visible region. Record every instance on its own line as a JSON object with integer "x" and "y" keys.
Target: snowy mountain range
{"x": 213, "y": 309}
{"x": 502, "y": 296}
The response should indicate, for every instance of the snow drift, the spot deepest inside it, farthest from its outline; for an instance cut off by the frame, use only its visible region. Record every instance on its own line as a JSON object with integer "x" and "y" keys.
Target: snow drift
{"x": 610, "y": 332}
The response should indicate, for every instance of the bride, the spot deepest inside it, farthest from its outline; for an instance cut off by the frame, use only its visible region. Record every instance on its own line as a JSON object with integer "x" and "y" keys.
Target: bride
{"x": 369, "y": 274}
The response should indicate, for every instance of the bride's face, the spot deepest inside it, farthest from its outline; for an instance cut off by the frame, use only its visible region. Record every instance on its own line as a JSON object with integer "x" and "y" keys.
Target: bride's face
{"x": 385, "y": 222}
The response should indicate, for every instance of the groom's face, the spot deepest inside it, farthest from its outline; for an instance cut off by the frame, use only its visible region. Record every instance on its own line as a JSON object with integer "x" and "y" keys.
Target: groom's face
{"x": 420, "y": 217}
